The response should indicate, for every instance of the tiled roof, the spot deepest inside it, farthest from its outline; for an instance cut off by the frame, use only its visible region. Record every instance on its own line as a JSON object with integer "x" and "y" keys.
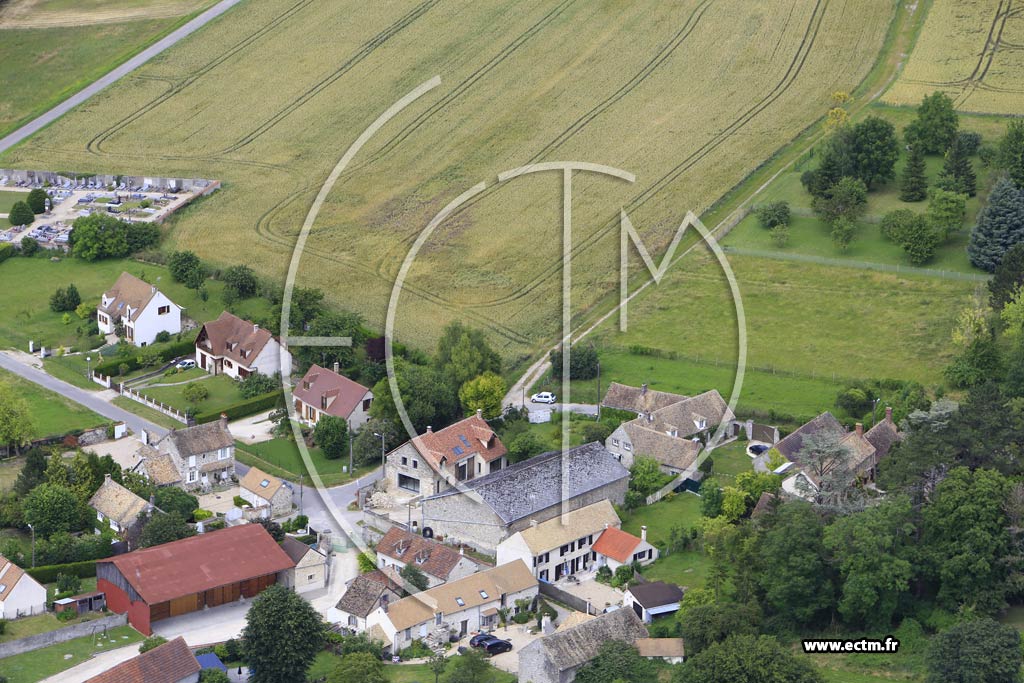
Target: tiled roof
{"x": 259, "y": 482}
{"x": 656, "y": 593}
{"x": 128, "y": 292}
{"x": 686, "y": 416}
{"x": 417, "y": 609}
{"x": 676, "y": 452}
{"x": 527, "y": 487}
{"x": 232, "y": 337}
{"x": 342, "y": 394}
{"x": 824, "y": 424}
{"x": 296, "y": 549}
{"x": 10, "y": 574}
{"x": 117, "y": 503}
{"x": 168, "y": 663}
{"x": 432, "y": 557}
{"x": 883, "y": 436}
{"x": 560, "y": 530}
{"x": 576, "y": 646}
{"x": 638, "y": 399}
{"x": 616, "y": 544}
{"x": 158, "y": 467}
{"x": 363, "y": 596}
{"x": 660, "y": 647}
{"x": 198, "y": 563}
{"x": 199, "y": 439}
{"x": 459, "y": 441}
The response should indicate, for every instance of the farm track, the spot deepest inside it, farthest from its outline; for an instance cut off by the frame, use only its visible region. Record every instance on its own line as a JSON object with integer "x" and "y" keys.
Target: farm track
{"x": 95, "y": 145}
{"x": 364, "y": 51}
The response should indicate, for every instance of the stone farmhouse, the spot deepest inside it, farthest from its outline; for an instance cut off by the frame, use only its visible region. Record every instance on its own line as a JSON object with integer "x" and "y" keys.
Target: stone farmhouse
{"x": 433, "y": 462}
{"x": 440, "y": 563}
{"x": 158, "y": 467}
{"x": 203, "y": 455}
{"x": 674, "y": 433}
{"x": 456, "y": 608}
{"x": 364, "y": 594}
{"x": 488, "y": 509}
{"x": 262, "y": 490}
{"x": 323, "y": 392}
{"x": 140, "y": 307}
{"x": 118, "y": 507}
{"x": 237, "y": 348}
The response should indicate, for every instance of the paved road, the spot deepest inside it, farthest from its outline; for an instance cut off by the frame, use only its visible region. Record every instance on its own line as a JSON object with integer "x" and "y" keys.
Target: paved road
{"x": 118, "y": 73}
{"x": 80, "y": 396}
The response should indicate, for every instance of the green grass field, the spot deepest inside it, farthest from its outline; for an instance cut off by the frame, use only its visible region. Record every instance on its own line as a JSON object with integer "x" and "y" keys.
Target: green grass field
{"x": 222, "y": 389}
{"x": 29, "y": 282}
{"x": 326, "y": 662}
{"x": 7, "y": 200}
{"x": 689, "y": 568}
{"x": 547, "y": 79}
{"x": 153, "y": 416}
{"x": 48, "y": 661}
{"x": 281, "y": 458}
{"x": 53, "y": 415}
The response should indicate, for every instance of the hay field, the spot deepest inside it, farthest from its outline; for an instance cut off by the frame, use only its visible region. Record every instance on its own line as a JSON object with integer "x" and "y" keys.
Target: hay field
{"x": 973, "y": 50}
{"x": 690, "y": 96}
{"x": 54, "y": 13}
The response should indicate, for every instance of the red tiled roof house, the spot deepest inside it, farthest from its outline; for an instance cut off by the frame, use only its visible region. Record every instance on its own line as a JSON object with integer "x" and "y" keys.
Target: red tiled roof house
{"x": 207, "y": 570}
{"x": 172, "y": 662}
{"x": 237, "y": 348}
{"x": 323, "y": 392}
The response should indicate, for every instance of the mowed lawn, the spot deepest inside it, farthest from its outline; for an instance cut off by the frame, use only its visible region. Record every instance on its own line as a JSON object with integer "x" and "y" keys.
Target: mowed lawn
{"x": 223, "y": 391}
{"x": 52, "y": 414}
{"x": 281, "y": 457}
{"x": 39, "y": 664}
{"x": 7, "y": 199}
{"x": 28, "y": 284}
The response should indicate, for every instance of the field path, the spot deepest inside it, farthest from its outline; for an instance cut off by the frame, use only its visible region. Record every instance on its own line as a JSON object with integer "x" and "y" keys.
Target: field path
{"x": 120, "y": 72}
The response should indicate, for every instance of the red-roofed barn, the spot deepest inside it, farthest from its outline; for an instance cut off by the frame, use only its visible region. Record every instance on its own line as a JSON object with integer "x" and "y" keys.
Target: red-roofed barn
{"x": 176, "y": 578}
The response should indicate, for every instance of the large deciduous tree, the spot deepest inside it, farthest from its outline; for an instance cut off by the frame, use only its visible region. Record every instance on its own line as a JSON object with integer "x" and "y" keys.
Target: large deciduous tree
{"x": 164, "y": 528}
{"x": 979, "y": 651}
{"x": 744, "y": 659}
{"x": 16, "y": 423}
{"x": 617, "y": 662}
{"x": 873, "y": 151}
{"x": 282, "y": 636}
{"x": 463, "y": 353}
{"x": 52, "y": 508}
{"x": 331, "y": 435}
{"x": 358, "y": 667}
{"x": 936, "y": 124}
{"x": 485, "y": 393}
{"x": 705, "y": 625}
{"x": 21, "y": 214}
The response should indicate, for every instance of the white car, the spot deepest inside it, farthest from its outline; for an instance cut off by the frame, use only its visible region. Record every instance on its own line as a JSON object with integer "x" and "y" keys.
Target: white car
{"x": 186, "y": 364}
{"x": 543, "y": 397}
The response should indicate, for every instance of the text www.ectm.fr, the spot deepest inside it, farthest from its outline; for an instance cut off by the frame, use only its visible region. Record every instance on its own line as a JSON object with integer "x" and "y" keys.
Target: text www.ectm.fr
{"x": 889, "y": 644}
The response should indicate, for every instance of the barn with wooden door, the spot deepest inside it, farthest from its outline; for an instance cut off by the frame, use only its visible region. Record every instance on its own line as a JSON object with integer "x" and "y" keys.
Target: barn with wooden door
{"x": 207, "y": 570}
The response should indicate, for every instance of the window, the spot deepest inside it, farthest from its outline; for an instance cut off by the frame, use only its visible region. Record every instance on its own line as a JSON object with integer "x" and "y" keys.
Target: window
{"x": 408, "y": 633}
{"x": 543, "y": 577}
{"x": 191, "y": 461}
{"x": 437, "y": 619}
{"x": 563, "y": 550}
{"x": 415, "y": 464}
{"x": 222, "y": 454}
{"x": 580, "y": 543}
{"x": 191, "y": 476}
{"x": 615, "y": 442}
{"x": 352, "y": 621}
{"x": 626, "y": 446}
{"x": 228, "y": 364}
{"x": 483, "y": 594}
{"x": 366, "y": 404}
{"x": 163, "y": 310}
{"x": 405, "y": 460}
{"x": 310, "y": 577}
{"x": 545, "y": 558}
{"x": 460, "y": 602}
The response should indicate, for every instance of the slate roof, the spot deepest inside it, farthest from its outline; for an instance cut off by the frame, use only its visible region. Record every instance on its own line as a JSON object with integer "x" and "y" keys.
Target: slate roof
{"x": 262, "y": 484}
{"x": 656, "y": 593}
{"x": 117, "y": 503}
{"x": 199, "y": 439}
{"x": 128, "y": 292}
{"x": 527, "y": 487}
{"x": 471, "y": 436}
{"x": 638, "y": 399}
{"x": 199, "y": 563}
{"x": 343, "y": 394}
{"x": 861, "y": 450}
{"x": 597, "y": 518}
{"x": 417, "y": 609}
{"x": 167, "y": 663}
{"x": 660, "y": 647}
{"x": 363, "y": 595}
{"x": 10, "y": 574}
{"x": 432, "y": 557}
{"x": 232, "y": 337}
{"x": 616, "y": 544}
{"x": 825, "y": 424}
{"x": 576, "y": 646}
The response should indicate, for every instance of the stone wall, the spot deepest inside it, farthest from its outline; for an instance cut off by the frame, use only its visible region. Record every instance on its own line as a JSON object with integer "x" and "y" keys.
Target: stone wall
{"x": 61, "y": 635}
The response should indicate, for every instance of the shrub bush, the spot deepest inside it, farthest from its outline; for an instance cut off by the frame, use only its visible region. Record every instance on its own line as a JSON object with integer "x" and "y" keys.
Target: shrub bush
{"x": 48, "y": 573}
{"x": 240, "y": 502}
{"x": 242, "y": 408}
{"x": 6, "y": 251}
{"x": 66, "y": 615}
{"x": 170, "y": 352}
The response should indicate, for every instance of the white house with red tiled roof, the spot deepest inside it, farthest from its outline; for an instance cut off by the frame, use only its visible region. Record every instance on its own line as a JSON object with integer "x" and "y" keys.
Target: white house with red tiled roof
{"x": 615, "y": 547}
{"x": 323, "y": 392}
{"x": 430, "y": 463}
{"x": 20, "y": 594}
{"x": 237, "y": 348}
{"x": 142, "y": 309}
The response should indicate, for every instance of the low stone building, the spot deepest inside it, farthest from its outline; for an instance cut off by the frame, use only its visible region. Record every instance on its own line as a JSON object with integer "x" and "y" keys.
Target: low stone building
{"x": 171, "y": 662}
{"x": 558, "y": 657}
{"x": 489, "y": 509}
{"x": 311, "y": 566}
{"x": 437, "y": 561}
{"x": 364, "y": 594}
{"x": 118, "y": 507}
{"x": 457, "y": 608}
{"x": 260, "y": 490}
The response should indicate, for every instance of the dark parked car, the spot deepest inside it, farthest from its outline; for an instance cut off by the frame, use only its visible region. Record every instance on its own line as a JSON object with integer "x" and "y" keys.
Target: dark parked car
{"x": 497, "y": 646}
{"x": 481, "y": 638}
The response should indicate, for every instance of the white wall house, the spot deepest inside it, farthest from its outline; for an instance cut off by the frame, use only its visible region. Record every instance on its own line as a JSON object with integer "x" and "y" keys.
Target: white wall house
{"x": 237, "y": 348}
{"x": 20, "y": 594}
{"x": 140, "y": 307}
{"x": 615, "y": 548}
{"x": 323, "y": 392}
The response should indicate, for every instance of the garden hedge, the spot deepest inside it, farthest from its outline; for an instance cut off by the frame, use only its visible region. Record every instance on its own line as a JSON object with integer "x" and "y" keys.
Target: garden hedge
{"x": 6, "y": 251}
{"x": 112, "y": 367}
{"x": 242, "y": 408}
{"x": 48, "y": 573}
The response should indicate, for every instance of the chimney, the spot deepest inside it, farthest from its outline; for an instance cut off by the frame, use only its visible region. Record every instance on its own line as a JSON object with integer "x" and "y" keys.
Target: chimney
{"x": 106, "y": 477}
{"x": 430, "y": 430}
{"x": 533, "y": 523}
{"x": 888, "y": 413}
{"x": 480, "y": 413}
{"x": 606, "y": 525}
{"x": 337, "y": 367}
{"x": 643, "y": 533}
{"x": 643, "y": 388}
{"x": 224, "y": 420}
{"x": 859, "y": 429}
{"x": 462, "y": 550}
{"x": 255, "y": 328}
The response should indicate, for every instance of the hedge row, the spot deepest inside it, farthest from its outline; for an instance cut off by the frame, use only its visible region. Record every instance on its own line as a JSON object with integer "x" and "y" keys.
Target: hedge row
{"x": 6, "y": 251}
{"x": 243, "y": 408}
{"x": 112, "y": 368}
{"x": 48, "y": 574}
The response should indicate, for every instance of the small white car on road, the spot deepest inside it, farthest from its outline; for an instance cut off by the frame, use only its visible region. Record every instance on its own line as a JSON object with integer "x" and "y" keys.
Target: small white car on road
{"x": 186, "y": 364}
{"x": 543, "y": 397}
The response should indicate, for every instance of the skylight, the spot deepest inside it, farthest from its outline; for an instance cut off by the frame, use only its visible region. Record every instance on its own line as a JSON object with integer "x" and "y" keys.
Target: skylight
{"x": 457, "y": 450}
{"x": 460, "y": 602}
{"x": 265, "y": 483}
{"x": 483, "y": 594}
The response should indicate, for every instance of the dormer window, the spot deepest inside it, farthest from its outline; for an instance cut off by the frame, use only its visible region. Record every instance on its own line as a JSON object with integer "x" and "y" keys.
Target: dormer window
{"x": 323, "y": 403}
{"x": 306, "y": 384}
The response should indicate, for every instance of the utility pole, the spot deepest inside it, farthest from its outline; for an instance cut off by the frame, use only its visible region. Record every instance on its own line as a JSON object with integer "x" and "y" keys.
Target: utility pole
{"x": 874, "y": 406}
{"x": 598, "y": 391}
{"x": 301, "y": 490}
{"x": 351, "y": 467}
{"x": 381, "y": 437}
{"x": 33, "y": 544}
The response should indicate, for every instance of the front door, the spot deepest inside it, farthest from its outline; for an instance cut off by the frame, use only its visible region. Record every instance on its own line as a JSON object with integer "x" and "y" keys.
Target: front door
{"x": 464, "y": 628}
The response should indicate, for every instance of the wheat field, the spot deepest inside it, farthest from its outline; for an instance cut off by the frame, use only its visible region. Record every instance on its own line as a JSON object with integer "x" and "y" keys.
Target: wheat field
{"x": 973, "y": 50}
{"x": 690, "y": 96}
